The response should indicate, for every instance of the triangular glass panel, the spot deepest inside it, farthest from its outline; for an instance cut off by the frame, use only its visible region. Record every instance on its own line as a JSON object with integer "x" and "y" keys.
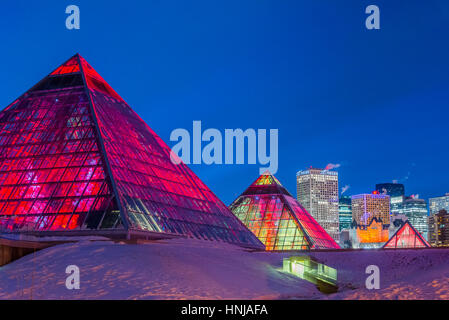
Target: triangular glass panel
{"x": 406, "y": 237}
{"x": 71, "y": 66}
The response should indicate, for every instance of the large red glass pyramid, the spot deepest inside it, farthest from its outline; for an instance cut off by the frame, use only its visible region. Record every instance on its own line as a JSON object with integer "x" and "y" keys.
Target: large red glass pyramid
{"x": 75, "y": 157}
{"x": 277, "y": 219}
{"x": 406, "y": 237}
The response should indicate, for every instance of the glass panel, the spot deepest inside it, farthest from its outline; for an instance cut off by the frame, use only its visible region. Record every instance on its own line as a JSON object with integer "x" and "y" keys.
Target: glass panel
{"x": 45, "y": 139}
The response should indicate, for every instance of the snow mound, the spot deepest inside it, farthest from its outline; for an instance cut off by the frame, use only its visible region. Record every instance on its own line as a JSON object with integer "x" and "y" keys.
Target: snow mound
{"x": 194, "y": 269}
{"x": 171, "y": 269}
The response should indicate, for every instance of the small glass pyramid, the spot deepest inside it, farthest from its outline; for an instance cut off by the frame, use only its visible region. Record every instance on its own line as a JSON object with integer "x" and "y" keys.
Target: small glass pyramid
{"x": 277, "y": 219}
{"x": 406, "y": 237}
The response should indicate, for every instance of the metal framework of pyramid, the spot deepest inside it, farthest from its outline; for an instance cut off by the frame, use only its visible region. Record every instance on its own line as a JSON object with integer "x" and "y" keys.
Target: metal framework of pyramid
{"x": 406, "y": 237}
{"x": 75, "y": 157}
{"x": 277, "y": 219}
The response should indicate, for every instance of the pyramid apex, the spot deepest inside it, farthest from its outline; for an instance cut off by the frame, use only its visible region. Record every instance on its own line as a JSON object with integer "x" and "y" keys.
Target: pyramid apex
{"x": 78, "y": 55}
{"x": 72, "y": 65}
{"x": 267, "y": 178}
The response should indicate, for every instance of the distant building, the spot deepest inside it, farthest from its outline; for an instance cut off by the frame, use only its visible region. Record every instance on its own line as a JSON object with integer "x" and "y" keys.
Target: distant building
{"x": 396, "y": 222}
{"x": 416, "y": 212}
{"x": 391, "y": 189}
{"x": 345, "y": 240}
{"x": 345, "y": 212}
{"x": 439, "y": 229}
{"x": 373, "y": 235}
{"x": 396, "y": 191}
{"x": 368, "y": 206}
{"x": 317, "y": 192}
{"x": 371, "y": 220}
{"x": 439, "y": 203}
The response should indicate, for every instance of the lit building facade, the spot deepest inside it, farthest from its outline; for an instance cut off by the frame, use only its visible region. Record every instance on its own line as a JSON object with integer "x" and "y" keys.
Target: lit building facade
{"x": 368, "y": 206}
{"x": 439, "y": 203}
{"x": 345, "y": 213}
{"x": 396, "y": 191}
{"x": 371, "y": 220}
{"x": 372, "y": 235}
{"x": 317, "y": 192}
{"x": 417, "y": 214}
{"x": 439, "y": 229}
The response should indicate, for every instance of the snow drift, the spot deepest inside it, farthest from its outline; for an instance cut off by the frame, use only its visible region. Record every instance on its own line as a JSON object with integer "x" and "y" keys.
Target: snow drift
{"x": 194, "y": 269}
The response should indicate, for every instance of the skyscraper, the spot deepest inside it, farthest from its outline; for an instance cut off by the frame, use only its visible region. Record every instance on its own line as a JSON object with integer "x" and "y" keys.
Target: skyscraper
{"x": 365, "y": 207}
{"x": 391, "y": 189}
{"x": 396, "y": 191}
{"x": 345, "y": 212}
{"x": 439, "y": 229}
{"x": 75, "y": 159}
{"x": 416, "y": 212}
{"x": 317, "y": 192}
{"x": 371, "y": 216}
{"x": 439, "y": 203}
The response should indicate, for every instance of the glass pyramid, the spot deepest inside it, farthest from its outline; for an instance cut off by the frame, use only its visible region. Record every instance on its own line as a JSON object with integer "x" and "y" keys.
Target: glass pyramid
{"x": 406, "y": 237}
{"x": 277, "y": 219}
{"x": 75, "y": 157}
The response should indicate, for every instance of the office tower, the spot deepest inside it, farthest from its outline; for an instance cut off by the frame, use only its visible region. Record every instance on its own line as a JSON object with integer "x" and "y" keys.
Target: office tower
{"x": 439, "y": 229}
{"x": 345, "y": 212}
{"x": 277, "y": 219}
{"x": 75, "y": 159}
{"x": 416, "y": 212}
{"x": 317, "y": 192}
{"x": 371, "y": 220}
{"x": 368, "y": 206}
{"x": 439, "y": 203}
{"x": 396, "y": 191}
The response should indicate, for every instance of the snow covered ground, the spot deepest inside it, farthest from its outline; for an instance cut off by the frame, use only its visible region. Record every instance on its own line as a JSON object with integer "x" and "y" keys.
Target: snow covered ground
{"x": 193, "y": 269}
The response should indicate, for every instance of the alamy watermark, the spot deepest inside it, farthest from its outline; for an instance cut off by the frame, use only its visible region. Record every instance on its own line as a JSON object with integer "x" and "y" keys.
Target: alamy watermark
{"x": 73, "y": 280}
{"x": 73, "y": 20}
{"x": 230, "y": 149}
{"x": 373, "y": 280}
{"x": 372, "y": 22}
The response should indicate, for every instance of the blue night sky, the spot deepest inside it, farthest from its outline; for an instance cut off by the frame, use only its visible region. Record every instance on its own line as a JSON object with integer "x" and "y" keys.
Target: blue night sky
{"x": 373, "y": 101}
